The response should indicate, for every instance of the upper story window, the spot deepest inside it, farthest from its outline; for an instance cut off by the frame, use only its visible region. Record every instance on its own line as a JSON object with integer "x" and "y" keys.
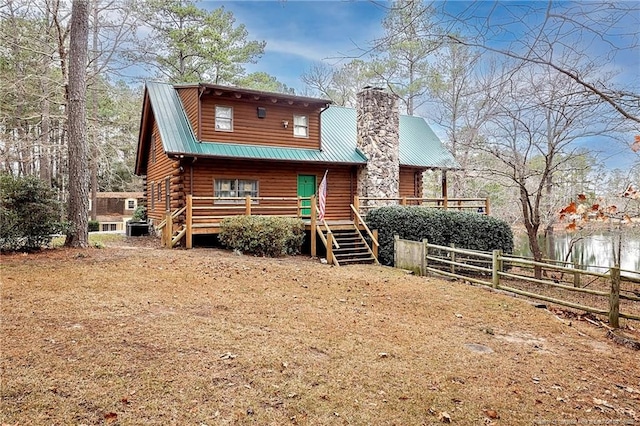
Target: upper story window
{"x": 224, "y": 119}
{"x": 131, "y": 203}
{"x": 300, "y": 126}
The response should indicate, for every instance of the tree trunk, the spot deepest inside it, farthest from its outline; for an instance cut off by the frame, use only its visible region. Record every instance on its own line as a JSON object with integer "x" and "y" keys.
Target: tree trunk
{"x": 45, "y": 160}
{"x": 94, "y": 112}
{"x": 78, "y": 235}
{"x": 532, "y": 224}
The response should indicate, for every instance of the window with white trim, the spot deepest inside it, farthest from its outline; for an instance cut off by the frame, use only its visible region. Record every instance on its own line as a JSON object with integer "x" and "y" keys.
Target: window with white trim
{"x": 300, "y": 126}
{"x": 130, "y": 204}
{"x": 224, "y": 119}
{"x": 227, "y": 188}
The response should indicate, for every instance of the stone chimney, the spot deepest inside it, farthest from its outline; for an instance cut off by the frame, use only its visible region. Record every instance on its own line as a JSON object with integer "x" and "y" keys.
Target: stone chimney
{"x": 378, "y": 124}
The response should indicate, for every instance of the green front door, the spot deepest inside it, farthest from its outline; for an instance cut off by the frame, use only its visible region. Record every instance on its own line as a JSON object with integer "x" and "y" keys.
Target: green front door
{"x": 306, "y": 188}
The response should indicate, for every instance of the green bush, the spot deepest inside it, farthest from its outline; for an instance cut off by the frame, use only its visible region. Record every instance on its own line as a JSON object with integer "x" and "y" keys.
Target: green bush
{"x": 140, "y": 214}
{"x": 94, "y": 226}
{"x": 29, "y": 213}
{"x": 262, "y": 236}
{"x": 441, "y": 227}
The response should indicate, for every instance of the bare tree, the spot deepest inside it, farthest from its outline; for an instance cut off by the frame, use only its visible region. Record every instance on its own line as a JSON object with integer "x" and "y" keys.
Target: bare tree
{"x": 539, "y": 117}
{"x": 77, "y": 99}
{"x": 566, "y": 37}
{"x": 340, "y": 84}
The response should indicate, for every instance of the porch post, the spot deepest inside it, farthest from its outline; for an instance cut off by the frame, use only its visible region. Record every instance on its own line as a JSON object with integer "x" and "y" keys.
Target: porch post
{"x": 168, "y": 229}
{"x": 189, "y": 242}
{"x": 444, "y": 188}
{"x": 247, "y": 205}
{"x": 313, "y": 226}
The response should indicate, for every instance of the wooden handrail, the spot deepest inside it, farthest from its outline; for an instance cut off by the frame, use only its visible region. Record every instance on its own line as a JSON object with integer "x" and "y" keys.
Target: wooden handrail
{"x": 374, "y": 240}
{"x": 335, "y": 243}
{"x": 178, "y": 212}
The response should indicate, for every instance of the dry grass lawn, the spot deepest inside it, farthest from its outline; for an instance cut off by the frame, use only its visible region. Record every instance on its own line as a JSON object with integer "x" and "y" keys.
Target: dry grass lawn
{"x": 144, "y": 336}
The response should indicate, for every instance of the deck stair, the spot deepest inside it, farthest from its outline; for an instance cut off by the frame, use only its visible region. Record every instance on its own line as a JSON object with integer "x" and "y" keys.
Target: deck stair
{"x": 349, "y": 245}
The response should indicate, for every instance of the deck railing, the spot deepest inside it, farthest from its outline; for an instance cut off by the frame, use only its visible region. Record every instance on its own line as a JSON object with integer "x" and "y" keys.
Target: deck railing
{"x": 204, "y": 214}
{"x": 208, "y": 212}
{"x": 476, "y": 205}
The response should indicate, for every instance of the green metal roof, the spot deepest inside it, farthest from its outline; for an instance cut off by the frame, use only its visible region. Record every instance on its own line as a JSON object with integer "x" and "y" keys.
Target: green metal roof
{"x": 419, "y": 146}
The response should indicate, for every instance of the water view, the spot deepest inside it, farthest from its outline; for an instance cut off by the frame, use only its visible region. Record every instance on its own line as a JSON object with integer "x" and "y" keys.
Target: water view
{"x": 593, "y": 251}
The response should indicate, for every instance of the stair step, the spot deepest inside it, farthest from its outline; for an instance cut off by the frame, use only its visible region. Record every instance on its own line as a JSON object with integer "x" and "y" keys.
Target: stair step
{"x": 354, "y": 261}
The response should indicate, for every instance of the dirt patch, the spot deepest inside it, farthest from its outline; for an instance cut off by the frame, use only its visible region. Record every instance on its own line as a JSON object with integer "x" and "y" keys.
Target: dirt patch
{"x": 145, "y": 335}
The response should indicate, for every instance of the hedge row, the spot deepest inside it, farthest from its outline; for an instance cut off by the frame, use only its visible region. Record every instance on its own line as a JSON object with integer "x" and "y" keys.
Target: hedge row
{"x": 441, "y": 227}
{"x": 262, "y": 235}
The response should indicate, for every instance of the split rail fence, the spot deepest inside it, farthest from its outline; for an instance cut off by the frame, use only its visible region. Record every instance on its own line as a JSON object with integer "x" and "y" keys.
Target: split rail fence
{"x": 558, "y": 283}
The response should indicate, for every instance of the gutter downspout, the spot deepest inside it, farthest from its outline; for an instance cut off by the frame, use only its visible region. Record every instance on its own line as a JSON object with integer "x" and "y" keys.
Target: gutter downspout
{"x": 320, "y": 122}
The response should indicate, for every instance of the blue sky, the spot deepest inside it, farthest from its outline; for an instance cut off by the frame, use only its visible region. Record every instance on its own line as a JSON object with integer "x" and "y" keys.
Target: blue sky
{"x": 301, "y": 33}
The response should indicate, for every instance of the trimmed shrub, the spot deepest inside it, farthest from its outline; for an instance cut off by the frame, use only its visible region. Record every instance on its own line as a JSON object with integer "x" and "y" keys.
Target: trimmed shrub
{"x": 29, "y": 213}
{"x": 262, "y": 235}
{"x": 94, "y": 226}
{"x": 441, "y": 227}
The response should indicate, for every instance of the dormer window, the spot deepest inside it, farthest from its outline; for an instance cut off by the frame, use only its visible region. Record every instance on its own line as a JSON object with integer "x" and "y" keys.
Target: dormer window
{"x": 224, "y": 119}
{"x": 300, "y": 126}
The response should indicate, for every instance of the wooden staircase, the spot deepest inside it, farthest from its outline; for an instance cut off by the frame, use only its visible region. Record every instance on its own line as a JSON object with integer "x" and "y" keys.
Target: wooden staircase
{"x": 348, "y": 244}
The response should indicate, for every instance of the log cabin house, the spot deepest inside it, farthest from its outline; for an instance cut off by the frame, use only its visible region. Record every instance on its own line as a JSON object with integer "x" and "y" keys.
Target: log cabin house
{"x": 207, "y": 152}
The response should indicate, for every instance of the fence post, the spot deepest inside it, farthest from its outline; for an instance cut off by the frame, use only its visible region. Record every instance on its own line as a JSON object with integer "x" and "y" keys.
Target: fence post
{"x": 453, "y": 258}
{"x": 496, "y": 267}
{"x": 425, "y": 253}
{"x": 576, "y": 274}
{"x": 396, "y": 239}
{"x": 487, "y": 206}
{"x": 614, "y": 297}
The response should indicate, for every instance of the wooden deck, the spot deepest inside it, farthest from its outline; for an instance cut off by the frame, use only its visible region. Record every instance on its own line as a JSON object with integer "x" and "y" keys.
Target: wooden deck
{"x": 202, "y": 215}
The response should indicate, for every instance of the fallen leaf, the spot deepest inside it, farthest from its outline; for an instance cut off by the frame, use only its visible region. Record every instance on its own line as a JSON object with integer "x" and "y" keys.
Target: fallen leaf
{"x": 444, "y": 417}
{"x": 582, "y": 197}
{"x": 492, "y": 414}
{"x": 602, "y": 402}
{"x": 110, "y": 416}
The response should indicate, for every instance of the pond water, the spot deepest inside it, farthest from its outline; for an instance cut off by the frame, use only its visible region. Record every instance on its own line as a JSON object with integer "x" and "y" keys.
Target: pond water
{"x": 594, "y": 251}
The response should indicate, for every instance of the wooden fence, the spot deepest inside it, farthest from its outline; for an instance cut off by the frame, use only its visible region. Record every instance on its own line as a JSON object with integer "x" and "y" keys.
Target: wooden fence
{"x": 510, "y": 273}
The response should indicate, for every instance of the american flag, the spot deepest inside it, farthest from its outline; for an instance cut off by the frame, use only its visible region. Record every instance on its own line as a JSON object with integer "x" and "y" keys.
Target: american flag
{"x": 322, "y": 197}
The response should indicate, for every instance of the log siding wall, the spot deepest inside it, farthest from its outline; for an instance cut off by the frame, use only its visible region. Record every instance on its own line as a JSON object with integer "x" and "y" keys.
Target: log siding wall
{"x": 410, "y": 182}
{"x": 161, "y": 171}
{"x": 189, "y": 98}
{"x": 275, "y": 180}
{"x": 249, "y": 129}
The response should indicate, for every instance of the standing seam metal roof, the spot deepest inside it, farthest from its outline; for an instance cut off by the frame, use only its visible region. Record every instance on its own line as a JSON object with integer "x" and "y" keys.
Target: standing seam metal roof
{"x": 419, "y": 146}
